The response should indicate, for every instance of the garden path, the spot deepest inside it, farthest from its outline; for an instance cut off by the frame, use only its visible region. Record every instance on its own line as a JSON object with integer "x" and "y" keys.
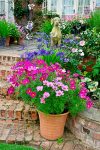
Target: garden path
{"x": 13, "y": 128}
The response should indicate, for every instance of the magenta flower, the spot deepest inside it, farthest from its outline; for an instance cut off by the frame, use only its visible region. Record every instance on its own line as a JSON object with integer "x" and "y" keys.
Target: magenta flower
{"x": 10, "y": 90}
{"x": 32, "y": 94}
{"x": 46, "y": 95}
{"x": 72, "y": 87}
{"x": 89, "y": 104}
{"x": 59, "y": 93}
{"x": 75, "y": 75}
{"x": 39, "y": 88}
{"x": 82, "y": 84}
{"x": 29, "y": 91}
{"x": 25, "y": 81}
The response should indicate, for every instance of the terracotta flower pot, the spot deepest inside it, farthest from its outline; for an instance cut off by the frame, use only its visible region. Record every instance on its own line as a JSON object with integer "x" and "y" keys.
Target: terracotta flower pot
{"x": 21, "y": 41}
{"x": 7, "y": 43}
{"x": 52, "y": 126}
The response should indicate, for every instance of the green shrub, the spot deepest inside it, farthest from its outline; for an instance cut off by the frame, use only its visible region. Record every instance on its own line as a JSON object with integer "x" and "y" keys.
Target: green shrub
{"x": 46, "y": 27}
{"x": 94, "y": 21}
{"x": 14, "y": 32}
{"x": 4, "y": 28}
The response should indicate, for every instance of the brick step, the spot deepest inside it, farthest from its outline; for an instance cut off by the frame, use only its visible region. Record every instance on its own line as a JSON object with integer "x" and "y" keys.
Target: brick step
{"x": 16, "y": 110}
{"x": 8, "y": 59}
{"x": 4, "y": 72}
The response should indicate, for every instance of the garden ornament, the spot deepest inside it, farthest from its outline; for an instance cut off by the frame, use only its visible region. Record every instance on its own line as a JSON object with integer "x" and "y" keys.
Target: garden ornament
{"x": 56, "y": 32}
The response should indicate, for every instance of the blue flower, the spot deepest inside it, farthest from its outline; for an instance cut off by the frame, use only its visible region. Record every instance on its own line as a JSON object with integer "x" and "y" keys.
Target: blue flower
{"x": 61, "y": 54}
{"x": 39, "y": 39}
{"x": 66, "y": 60}
{"x": 42, "y": 52}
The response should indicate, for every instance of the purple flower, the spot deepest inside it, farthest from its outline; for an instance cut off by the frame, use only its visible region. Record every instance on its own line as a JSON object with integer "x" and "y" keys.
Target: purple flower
{"x": 42, "y": 52}
{"x": 61, "y": 54}
{"x": 66, "y": 60}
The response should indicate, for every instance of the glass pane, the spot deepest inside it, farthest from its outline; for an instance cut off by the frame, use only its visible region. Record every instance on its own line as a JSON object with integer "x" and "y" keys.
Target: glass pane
{"x": 80, "y": 2}
{"x": 53, "y": 5}
{"x": 98, "y": 3}
{"x": 87, "y": 2}
{"x": 2, "y": 7}
{"x": 68, "y": 2}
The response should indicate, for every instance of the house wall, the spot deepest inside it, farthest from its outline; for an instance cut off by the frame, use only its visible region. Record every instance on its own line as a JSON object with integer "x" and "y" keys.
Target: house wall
{"x": 8, "y": 9}
{"x": 59, "y": 8}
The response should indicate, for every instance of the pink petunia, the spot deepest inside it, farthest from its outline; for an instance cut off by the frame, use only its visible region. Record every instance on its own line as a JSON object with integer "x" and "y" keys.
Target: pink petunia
{"x": 39, "y": 88}
{"x": 74, "y": 50}
{"x": 59, "y": 93}
{"x": 65, "y": 87}
{"x": 46, "y": 95}
{"x": 42, "y": 101}
{"x": 82, "y": 43}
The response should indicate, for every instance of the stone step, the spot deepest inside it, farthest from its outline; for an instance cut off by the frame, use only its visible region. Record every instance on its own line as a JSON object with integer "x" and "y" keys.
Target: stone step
{"x": 4, "y": 72}
{"x": 16, "y": 110}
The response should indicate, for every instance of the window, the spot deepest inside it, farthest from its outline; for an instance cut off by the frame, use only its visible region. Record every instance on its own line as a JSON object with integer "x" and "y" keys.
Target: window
{"x": 10, "y": 8}
{"x": 97, "y": 3}
{"x": 83, "y": 7}
{"x": 2, "y": 7}
{"x": 45, "y": 6}
{"x": 53, "y": 5}
{"x": 68, "y": 7}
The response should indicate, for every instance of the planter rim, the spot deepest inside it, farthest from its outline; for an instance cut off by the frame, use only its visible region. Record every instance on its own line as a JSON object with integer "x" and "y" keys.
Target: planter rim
{"x": 53, "y": 114}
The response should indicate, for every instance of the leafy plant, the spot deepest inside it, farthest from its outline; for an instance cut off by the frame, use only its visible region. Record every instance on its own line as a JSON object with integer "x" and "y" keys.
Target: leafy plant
{"x": 46, "y": 27}
{"x": 4, "y": 28}
{"x": 14, "y": 32}
{"x": 39, "y": 1}
{"x": 19, "y": 10}
{"x": 94, "y": 20}
{"x": 50, "y": 88}
{"x": 96, "y": 70}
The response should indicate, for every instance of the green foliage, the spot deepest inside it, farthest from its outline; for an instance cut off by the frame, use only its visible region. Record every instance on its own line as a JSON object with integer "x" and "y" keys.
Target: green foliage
{"x": 46, "y": 27}
{"x": 39, "y": 1}
{"x": 92, "y": 45}
{"x": 4, "y": 28}
{"x": 14, "y": 32}
{"x": 96, "y": 70}
{"x": 94, "y": 20}
{"x": 60, "y": 140}
{"x": 19, "y": 10}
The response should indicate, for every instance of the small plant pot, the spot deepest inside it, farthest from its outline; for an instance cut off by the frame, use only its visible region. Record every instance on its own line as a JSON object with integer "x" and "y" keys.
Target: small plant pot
{"x": 7, "y": 43}
{"x": 21, "y": 41}
{"x": 52, "y": 126}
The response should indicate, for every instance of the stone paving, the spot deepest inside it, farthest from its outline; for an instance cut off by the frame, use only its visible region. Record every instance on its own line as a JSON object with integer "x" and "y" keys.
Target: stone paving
{"x": 17, "y": 50}
{"x": 28, "y": 133}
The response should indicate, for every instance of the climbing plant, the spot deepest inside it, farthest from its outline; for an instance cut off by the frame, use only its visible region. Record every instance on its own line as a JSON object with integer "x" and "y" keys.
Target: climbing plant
{"x": 20, "y": 10}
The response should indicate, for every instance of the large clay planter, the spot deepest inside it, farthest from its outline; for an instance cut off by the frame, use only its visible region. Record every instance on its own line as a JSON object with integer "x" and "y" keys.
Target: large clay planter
{"x": 52, "y": 126}
{"x": 7, "y": 41}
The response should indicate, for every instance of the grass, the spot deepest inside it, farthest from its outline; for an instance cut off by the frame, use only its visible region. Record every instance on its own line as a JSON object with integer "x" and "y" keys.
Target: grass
{"x": 15, "y": 147}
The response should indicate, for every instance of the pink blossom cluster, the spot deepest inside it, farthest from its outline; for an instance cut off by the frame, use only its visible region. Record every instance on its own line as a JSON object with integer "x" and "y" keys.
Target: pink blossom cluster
{"x": 31, "y": 93}
{"x": 25, "y": 71}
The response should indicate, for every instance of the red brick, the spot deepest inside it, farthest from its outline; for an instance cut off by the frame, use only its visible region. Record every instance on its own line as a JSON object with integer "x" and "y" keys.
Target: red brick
{"x": 34, "y": 116}
{"x": 10, "y": 114}
{"x": 94, "y": 126}
{"x": 3, "y": 114}
{"x": 96, "y": 136}
{"x": 18, "y": 115}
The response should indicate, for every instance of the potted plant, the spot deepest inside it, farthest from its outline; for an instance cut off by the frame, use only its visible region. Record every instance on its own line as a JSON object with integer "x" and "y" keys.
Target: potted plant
{"x": 5, "y": 31}
{"x": 53, "y": 91}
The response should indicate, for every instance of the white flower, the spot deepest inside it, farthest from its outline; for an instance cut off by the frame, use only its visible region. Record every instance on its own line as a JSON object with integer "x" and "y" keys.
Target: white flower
{"x": 82, "y": 54}
{"x": 80, "y": 50}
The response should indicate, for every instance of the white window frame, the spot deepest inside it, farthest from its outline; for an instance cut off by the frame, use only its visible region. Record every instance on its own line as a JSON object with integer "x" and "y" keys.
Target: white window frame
{"x": 44, "y": 6}
{"x": 67, "y": 7}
